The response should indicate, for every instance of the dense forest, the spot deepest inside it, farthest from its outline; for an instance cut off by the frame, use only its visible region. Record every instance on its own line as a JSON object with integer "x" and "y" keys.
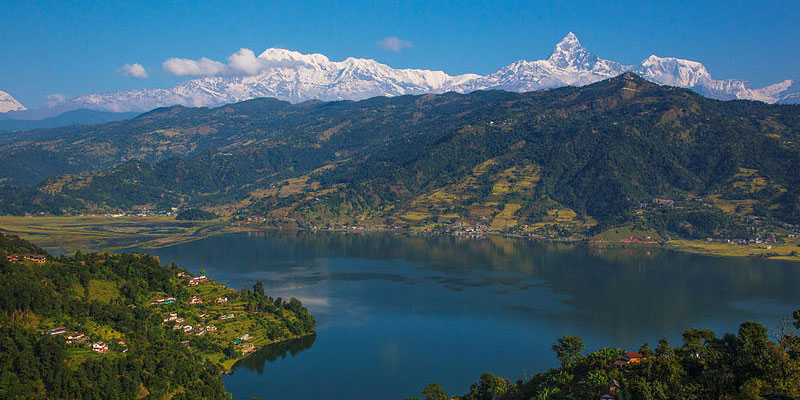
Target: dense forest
{"x": 754, "y": 364}
{"x": 567, "y": 162}
{"x": 89, "y": 326}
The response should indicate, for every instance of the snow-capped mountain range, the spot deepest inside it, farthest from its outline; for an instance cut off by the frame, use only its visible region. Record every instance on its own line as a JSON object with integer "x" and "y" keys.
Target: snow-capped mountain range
{"x": 295, "y": 77}
{"x": 8, "y": 103}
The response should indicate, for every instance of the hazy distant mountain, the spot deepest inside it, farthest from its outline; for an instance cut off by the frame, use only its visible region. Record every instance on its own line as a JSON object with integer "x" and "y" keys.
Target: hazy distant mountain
{"x": 297, "y": 77}
{"x": 8, "y": 103}
{"x": 76, "y": 117}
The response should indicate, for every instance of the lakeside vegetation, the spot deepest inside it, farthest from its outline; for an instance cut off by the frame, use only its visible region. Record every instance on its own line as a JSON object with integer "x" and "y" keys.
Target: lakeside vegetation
{"x": 109, "y": 326}
{"x": 753, "y": 363}
{"x": 70, "y": 233}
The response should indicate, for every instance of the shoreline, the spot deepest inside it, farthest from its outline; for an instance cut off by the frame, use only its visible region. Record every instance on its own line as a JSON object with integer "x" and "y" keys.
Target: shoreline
{"x": 229, "y": 366}
{"x": 126, "y": 233}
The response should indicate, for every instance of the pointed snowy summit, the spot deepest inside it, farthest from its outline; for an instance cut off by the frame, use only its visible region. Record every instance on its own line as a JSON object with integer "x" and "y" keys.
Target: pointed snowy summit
{"x": 8, "y": 103}
{"x": 569, "y": 53}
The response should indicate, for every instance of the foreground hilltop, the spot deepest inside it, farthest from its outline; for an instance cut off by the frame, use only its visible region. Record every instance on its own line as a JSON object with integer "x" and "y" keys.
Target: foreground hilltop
{"x": 567, "y": 162}
{"x": 124, "y": 326}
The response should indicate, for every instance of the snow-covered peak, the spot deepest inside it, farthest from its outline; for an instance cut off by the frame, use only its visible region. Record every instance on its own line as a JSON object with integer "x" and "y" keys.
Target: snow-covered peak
{"x": 674, "y": 71}
{"x": 8, "y": 103}
{"x": 296, "y": 77}
{"x": 569, "y": 53}
{"x": 292, "y": 57}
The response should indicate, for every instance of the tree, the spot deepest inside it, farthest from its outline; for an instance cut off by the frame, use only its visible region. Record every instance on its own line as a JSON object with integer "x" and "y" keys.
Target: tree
{"x": 258, "y": 290}
{"x": 490, "y": 387}
{"x": 663, "y": 349}
{"x": 434, "y": 392}
{"x": 751, "y": 350}
{"x": 645, "y": 350}
{"x": 568, "y": 348}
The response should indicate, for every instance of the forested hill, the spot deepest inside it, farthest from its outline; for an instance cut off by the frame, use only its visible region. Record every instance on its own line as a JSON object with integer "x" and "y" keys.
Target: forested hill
{"x": 122, "y": 326}
{"x": 563, "y": 161}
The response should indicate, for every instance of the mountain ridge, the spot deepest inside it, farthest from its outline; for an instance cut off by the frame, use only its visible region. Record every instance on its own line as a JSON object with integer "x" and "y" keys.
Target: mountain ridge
{"x": 555, "y": 162}
{"x": 296, "y": 77}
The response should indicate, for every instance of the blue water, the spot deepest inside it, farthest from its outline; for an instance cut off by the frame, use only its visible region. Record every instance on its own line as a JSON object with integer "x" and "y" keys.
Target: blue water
{"x": 395, "y": 313}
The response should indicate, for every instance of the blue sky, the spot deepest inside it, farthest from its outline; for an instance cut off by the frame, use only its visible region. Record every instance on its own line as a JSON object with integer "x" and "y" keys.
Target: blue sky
{"x": 78, "y": 47}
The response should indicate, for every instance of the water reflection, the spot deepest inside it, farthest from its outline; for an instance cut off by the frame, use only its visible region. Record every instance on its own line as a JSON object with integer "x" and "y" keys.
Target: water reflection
{"x": 256, "y": 361}
{"x": 385, "y": 303}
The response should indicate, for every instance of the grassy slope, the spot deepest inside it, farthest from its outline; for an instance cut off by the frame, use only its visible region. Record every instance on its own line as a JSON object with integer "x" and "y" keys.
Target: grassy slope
{"x": 264, "y": 328}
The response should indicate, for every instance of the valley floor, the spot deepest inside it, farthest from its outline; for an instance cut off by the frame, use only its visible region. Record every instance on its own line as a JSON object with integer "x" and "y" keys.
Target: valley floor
{"x": 120, "y": 233}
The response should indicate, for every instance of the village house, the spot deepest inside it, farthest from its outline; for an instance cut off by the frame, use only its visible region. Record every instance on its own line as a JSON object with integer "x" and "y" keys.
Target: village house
{"x": 226, "y": 316}
{"x": 664, "y": 203}
{"x": 166, "y": 300}
{"x": 195, "y": 300}
{"x": 246, "y": 347}
{"x": 222, "y": 300}
{"x": 211, "y": 328}
{"x": 171, "y": 317}
{"x": 76, "y": 337}
{"x": 202, "y": 315}
{"x": 611, "y": 391}
{"x": 37, "y": 258}
{"x": 180, "y": 320}
{"x": 99, "y": 347}
{"x": 57, "y": 331}
{"x": 630, "y": 358}
{"x": 181, "y": 274}
{"x": 244, "y": 337}
{"x": 187, "y": 329}
{"x": 197, "y": 280}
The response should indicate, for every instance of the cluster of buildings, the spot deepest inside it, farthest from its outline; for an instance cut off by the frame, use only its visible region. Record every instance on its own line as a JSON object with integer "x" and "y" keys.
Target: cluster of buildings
{"x": 243, "y": 345}
{"x": 196, "y": 299}
{"x": 81, "y": 338}
{"x": 188, "y": 329}
{"x": 477, "y": 231}
{"x": 197, "y": 280}
{"x": 37, "y": 258}
{"x": 144, "y": 212}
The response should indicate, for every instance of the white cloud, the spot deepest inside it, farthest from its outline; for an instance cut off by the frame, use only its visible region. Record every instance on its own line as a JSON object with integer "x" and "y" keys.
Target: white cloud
{"x": 55, "y": 99}
{"x": 394, "y": 44}
{"x": 242, "y": 62}
{"x": 185, "y": 66}
{"x": 245, "y": 61}
{"x": 134, "y": 70}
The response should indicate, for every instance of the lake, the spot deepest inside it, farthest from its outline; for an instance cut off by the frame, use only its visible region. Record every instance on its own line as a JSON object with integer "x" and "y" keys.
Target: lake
{"x": 397, "y": 312}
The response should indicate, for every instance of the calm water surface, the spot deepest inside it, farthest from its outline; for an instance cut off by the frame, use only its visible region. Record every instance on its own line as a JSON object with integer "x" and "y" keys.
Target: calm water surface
{"x": 395, "y": 313}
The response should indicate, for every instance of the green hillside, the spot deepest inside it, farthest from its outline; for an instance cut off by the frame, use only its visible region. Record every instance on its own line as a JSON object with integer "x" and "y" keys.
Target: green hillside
{"x": 123, "y": 326}
{"x": 568, "y": 162}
